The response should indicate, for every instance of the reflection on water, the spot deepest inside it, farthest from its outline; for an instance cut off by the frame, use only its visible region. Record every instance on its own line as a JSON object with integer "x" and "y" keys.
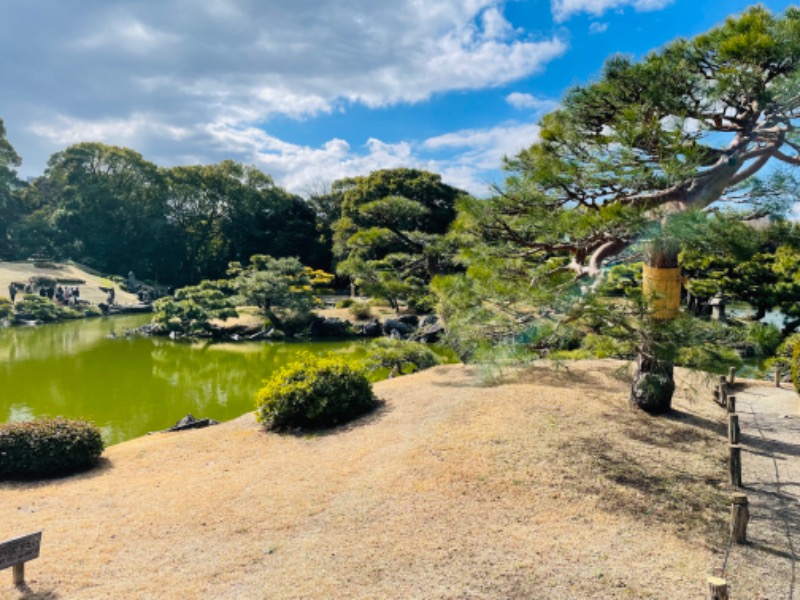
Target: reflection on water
{"x": 129, "y": 385}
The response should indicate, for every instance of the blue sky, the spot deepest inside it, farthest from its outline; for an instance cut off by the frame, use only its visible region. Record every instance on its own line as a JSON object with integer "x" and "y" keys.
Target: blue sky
{"x": 311, "y": 90}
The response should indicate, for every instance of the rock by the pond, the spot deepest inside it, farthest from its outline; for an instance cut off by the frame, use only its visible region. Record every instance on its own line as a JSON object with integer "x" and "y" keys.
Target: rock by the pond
{"x": 430, "y": 334}
{"x": 372, "y": 328}
{"x": 395, "y": 325}
{"x": 429, "y": 320}
{"x": 189, "y": 422}
{"x": 412, "y": 320}
{"x": 330, "y": 327}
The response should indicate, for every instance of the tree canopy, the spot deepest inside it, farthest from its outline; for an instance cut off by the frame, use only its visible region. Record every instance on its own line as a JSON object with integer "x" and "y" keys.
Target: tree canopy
{"x": 683, "y": 129}
{"x": 9, "y": 208}
{"x": 390, "y": 236}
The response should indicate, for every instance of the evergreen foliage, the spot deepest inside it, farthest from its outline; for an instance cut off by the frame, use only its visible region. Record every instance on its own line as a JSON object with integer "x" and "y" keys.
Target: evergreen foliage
{"x": 314, "y": 393}
{"x": 400, "y": 356}
{"x": 47, "y": 447}
{"x": 390, "y": 239}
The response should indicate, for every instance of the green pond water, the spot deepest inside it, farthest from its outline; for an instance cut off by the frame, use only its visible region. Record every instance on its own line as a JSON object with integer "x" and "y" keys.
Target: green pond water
{"x": 130, "y": 385}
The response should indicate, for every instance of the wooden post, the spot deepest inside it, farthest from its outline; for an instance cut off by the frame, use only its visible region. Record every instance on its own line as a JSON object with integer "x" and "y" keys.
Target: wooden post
{"x": 733, "y": 428}
{"x": 717, "y": 588}
{"x": 731, "y": 375}
{"x": 731, "y": 404}
{"x": 16, "y": 552}
{"x": 777, "y": 378}
{"x": 735, "y": 464}
{"x": 740, "y": 515}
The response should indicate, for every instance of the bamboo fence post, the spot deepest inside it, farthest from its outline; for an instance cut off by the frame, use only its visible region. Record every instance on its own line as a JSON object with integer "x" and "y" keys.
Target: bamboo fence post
{"x": 731, "y": 404}
{"x": 732, "y": 375}
{"x": 740, "y": 515}
{"x": 733, "y": 428}
{"x": 735, "y": 464}
{"x": 717, "y": 588}
{"x": 777, "y": 378}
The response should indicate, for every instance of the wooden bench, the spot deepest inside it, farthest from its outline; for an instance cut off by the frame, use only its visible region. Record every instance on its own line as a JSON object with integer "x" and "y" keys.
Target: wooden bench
{"x": 15, "y": 553}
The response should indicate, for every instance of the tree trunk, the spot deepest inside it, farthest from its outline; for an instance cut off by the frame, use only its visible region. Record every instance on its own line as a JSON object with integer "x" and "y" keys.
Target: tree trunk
{"x": 654, "y": 380}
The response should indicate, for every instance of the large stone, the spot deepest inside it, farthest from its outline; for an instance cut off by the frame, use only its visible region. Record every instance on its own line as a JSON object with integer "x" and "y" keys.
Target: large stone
{"x": 412, "y": 320}
{"x": 372, "y": 328}
{"x": 395, "y": 325}
{"x": 330, "y": 327}
{"x": 430, "y": 334}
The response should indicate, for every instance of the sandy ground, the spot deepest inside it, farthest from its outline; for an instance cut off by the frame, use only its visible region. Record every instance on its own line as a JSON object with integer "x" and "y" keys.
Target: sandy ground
{"x": 544, "y": 485}
{"x": 20, "y": 271}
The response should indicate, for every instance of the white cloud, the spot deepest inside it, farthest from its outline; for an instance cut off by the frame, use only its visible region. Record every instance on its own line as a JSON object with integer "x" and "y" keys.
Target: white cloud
{"x": 564, "y": 9}
{"x": 181, "y": 81}
{"x": 598, "y": 27}
{"x": 469, "y": 159}
{"x": 64, "y": 130}
{"x": 527, "y": 101}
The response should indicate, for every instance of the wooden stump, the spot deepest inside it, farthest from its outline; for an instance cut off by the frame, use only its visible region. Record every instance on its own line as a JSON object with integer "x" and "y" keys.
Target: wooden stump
{"x": 735, "y": 465}
{"x": 731, "y": 404}
{"x": 19, "y": 574}
{"x": 777, "y": 378}
{"x": 740, "y": 515}
{"x": 717, "y": 588}
{"x": 733, "y": 428}
{"x": 731, "y": 375}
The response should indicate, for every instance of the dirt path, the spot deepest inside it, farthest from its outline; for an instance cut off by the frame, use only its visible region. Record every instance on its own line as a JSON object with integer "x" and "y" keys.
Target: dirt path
{"x": 767, "y": 567}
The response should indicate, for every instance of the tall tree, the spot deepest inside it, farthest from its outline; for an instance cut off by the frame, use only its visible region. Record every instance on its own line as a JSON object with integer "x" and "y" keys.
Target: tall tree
{"x": 107, "y": 208}
{"x": 228, "y": 212}
{"x": 9, "y": 184}
{"x": 390, "y": 237}
{"x": 686, "y": 128}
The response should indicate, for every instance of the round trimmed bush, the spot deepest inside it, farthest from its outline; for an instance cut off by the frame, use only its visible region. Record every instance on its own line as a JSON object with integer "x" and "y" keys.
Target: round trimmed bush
{"x": 361, "y": 310}
{"x": 48, "y": 447}
{"x": 314, "y": 393}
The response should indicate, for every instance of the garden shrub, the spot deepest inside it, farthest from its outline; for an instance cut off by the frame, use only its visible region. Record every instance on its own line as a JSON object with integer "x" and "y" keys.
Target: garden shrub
{"x": 401, "y": 355}
{"x": 314, "y": 393}
{"x": 40, "y": 308}
{"x": 764, "y": 338}
{"x": 48, "y": 447}
{"x": 796, "y": 367}
{"x": 346, "y": 303}
{"x": 6, "y": 309}
{"x": 361, "y": 310}
{"x": 786, "y": 356}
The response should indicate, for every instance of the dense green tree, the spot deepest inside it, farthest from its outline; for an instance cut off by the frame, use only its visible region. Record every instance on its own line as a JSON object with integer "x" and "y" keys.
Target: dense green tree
{"x": 107, "y": 208}
{"x": 390, "y": 236}
{"x": 283, "y": 288}
{"x": 9, "y": 185}
{"x": 685, "y": 128}
{"x": 228, "y": 212}
{"x": 757, "y": 265}
{"x": 193, "y": 308}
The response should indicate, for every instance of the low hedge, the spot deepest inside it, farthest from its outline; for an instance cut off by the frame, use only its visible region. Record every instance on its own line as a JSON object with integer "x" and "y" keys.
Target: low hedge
{"x": 314, "y": 393}
{"x": 48, "y": 447}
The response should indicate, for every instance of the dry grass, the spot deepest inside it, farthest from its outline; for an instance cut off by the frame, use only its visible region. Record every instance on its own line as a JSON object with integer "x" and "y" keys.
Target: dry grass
{"x": 544, "y": 486}
{"x": 21, "y": 271}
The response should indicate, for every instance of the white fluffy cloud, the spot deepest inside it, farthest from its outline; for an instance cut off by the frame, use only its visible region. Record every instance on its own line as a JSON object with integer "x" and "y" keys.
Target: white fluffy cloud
{"x": 182, "y": 81}
{"x": 564, "y": 9}
{"x": 468, "y": 159}
{"x": 527, "y": 101}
